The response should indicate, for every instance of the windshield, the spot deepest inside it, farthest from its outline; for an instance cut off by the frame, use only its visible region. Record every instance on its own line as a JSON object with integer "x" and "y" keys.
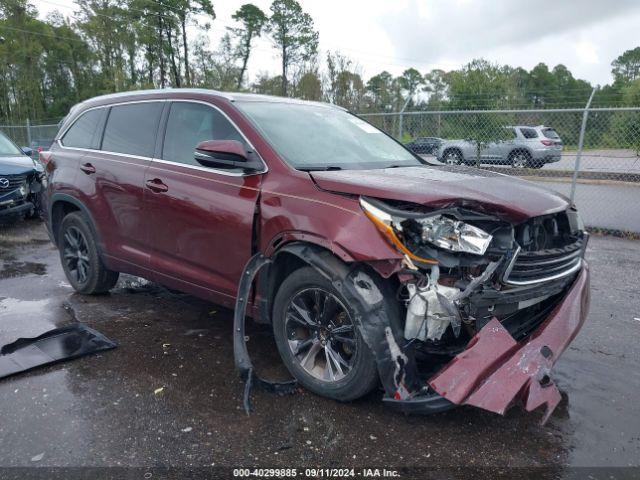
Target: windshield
{"x": 7, "y": 147}
{"x": 311, "y": 137}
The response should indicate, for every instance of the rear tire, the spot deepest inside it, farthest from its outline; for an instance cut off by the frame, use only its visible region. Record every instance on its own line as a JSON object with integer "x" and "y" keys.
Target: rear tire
{"x": 520, "y": 159}
{"x": 80, "y": 258}
{"x": 312, "y": 350}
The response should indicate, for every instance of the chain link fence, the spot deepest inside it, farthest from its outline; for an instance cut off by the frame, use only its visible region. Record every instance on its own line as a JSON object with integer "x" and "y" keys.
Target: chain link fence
{"x": 590, "y": 155}
{"x": 36, "y": 137}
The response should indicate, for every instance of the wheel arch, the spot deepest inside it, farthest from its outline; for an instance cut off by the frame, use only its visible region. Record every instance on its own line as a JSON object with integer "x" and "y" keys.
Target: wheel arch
{"x": 290, "y": 257}
{"x": 519, "y": 149}
{"x": 358, "y": 282}
{"x": 456, "y": 149}
{"x": 60, "y": 205}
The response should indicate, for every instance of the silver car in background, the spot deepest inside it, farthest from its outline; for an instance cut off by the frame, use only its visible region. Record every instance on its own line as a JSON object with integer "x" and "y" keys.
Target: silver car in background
{"x": 529, "y": 147}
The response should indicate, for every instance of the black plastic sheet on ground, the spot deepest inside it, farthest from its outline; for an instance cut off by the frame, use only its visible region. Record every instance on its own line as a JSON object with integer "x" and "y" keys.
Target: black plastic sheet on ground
{"x": 54, "y": 346}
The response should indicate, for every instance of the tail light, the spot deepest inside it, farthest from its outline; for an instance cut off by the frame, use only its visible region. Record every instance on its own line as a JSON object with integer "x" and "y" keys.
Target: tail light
{"x": 547, "y": 143}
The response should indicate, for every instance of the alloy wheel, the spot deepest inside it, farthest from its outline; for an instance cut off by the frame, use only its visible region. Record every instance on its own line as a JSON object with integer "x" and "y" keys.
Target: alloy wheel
{"x": 76, "y": 254}
{"x": 320, "y": 334}
{"x": 452, "y": 159}
{"x": 519, "y": 160}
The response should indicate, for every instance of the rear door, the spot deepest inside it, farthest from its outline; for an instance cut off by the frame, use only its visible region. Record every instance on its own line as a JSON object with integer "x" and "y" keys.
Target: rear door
{"x": 201, "y": 219}
{"x": 82, "y": 136}
{"x": 112, "y": 179}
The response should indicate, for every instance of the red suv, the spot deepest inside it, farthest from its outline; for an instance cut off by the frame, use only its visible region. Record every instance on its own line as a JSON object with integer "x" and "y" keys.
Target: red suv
{"x": 447, "y": 284}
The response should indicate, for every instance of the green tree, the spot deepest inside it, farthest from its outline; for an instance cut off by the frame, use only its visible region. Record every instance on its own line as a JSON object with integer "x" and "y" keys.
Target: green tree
{"x": 293, "y": 33}
{"x": 267, "y": 85}
{"x": 309, "y": 85}
{"x": 344, "y": 84}
{"x": 411, "y": 80}
{"x": 626, "y": 68}
{"x": 380, "y": 88}
{"x": 625, "y": 126}
{"x": 436, "y": 86}
{"x": 253, "y": 21}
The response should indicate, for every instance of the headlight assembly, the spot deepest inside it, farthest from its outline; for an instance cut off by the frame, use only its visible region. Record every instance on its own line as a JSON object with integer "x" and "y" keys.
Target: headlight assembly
{"x": 437, "y": 230}
{"x": 454, "y": 235}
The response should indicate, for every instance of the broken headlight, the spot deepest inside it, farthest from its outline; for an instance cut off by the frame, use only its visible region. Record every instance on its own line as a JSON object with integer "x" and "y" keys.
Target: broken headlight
{"x": 454, "y": 235}
{"x": 436, "y": 229}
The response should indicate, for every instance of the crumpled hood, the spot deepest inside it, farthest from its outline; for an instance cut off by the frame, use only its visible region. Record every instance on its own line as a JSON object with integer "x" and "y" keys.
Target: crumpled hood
{"x": 508, "y": 197}
{"x": 16, "y": 165}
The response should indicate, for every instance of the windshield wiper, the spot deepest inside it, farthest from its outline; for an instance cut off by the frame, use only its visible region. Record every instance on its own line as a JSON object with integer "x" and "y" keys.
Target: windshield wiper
{"x": 320, "y": 169}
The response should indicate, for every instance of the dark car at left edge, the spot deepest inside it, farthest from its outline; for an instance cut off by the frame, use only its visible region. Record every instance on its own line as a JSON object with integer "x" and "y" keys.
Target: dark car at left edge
{"x": 21, "y": 182}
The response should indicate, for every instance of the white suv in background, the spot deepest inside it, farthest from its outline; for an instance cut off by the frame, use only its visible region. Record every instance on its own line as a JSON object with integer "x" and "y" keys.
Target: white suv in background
{"x": 530, "y": 147}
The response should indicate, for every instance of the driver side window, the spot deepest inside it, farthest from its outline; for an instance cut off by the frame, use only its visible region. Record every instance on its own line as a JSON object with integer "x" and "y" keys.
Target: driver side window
{"x": 191, "y": 123}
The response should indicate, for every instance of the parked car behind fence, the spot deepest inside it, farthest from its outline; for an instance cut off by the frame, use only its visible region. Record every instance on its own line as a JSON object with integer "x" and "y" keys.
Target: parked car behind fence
{"x": 524, "y": 147}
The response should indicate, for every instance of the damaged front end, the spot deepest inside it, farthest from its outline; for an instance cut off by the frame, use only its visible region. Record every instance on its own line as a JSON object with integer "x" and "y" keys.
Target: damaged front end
{"x": 490, "y": 306}
{"x": 476, "y": 312}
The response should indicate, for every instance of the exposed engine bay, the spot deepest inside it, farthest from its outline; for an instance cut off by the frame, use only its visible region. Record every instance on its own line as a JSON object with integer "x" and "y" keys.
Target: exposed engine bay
{"x": 465, "y": 268}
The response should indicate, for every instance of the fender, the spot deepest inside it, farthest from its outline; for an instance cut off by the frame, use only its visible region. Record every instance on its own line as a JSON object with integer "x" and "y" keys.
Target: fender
{"x": 64, "y": 197}
{"x": 285, "y": 238}
{"x": 383, "y": 336}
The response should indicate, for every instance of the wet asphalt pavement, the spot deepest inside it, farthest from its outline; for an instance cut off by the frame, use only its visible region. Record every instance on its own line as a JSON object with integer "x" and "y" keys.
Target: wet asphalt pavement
{"x": 169, "y": 396}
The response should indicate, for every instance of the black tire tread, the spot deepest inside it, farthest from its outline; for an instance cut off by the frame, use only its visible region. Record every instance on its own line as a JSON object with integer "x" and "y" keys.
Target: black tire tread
{"x": 101, "y": 279}
{"x": 364, "y": 376}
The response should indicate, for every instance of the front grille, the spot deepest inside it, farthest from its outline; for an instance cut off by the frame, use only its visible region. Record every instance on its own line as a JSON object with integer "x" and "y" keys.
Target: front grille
{"x": 14, "y": 181}
{"x": 543, "y": 265}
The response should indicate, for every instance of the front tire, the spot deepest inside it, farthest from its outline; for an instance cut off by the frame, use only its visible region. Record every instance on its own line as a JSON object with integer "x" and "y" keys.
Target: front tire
{"x": 317, "y": 339}
{"x": 80, "y": 259}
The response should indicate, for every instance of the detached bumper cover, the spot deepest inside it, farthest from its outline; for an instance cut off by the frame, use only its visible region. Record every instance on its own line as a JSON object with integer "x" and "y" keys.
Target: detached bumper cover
{"x": 495, "y": 371}
{"x": 15, "y": 210}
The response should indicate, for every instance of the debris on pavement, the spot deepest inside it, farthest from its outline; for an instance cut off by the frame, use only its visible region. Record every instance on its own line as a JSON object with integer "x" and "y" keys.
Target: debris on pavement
{"x": 57, "y": 345}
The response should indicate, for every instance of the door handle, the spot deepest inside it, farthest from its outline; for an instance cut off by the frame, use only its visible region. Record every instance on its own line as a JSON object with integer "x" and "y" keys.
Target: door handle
{"x": 156, "y": 185}
{"x": 88, "y": 168}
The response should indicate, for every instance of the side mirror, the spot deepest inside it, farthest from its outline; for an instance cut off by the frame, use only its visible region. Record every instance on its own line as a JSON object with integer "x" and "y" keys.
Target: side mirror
{"x": 27, "y": 151}
{"x": 225, "y": 154}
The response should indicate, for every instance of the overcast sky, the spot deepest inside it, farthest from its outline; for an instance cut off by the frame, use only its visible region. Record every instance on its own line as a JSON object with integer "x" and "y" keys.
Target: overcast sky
{"x": 584, "y": 35}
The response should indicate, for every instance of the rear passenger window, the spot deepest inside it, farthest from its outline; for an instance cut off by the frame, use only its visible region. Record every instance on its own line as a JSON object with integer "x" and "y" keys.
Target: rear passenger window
{"x": 191, "y": 123}
{"x": 80, "y": 135}
{"x": 132, "y": 129}
{"x": 529, "y": 133}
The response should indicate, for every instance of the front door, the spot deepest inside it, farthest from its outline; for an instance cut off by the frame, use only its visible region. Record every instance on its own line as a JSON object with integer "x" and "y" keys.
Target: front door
{"x": 201, "y": 219}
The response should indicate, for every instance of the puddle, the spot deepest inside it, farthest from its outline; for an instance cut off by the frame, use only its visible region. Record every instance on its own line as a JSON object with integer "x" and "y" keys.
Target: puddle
{"x": 34, "y": 317}
{"x": 18, "y": 269}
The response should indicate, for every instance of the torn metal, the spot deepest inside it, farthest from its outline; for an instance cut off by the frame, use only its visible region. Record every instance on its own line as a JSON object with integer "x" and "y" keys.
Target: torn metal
{"x": 54, "y": 346}
{"x": 495, "y": 370}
